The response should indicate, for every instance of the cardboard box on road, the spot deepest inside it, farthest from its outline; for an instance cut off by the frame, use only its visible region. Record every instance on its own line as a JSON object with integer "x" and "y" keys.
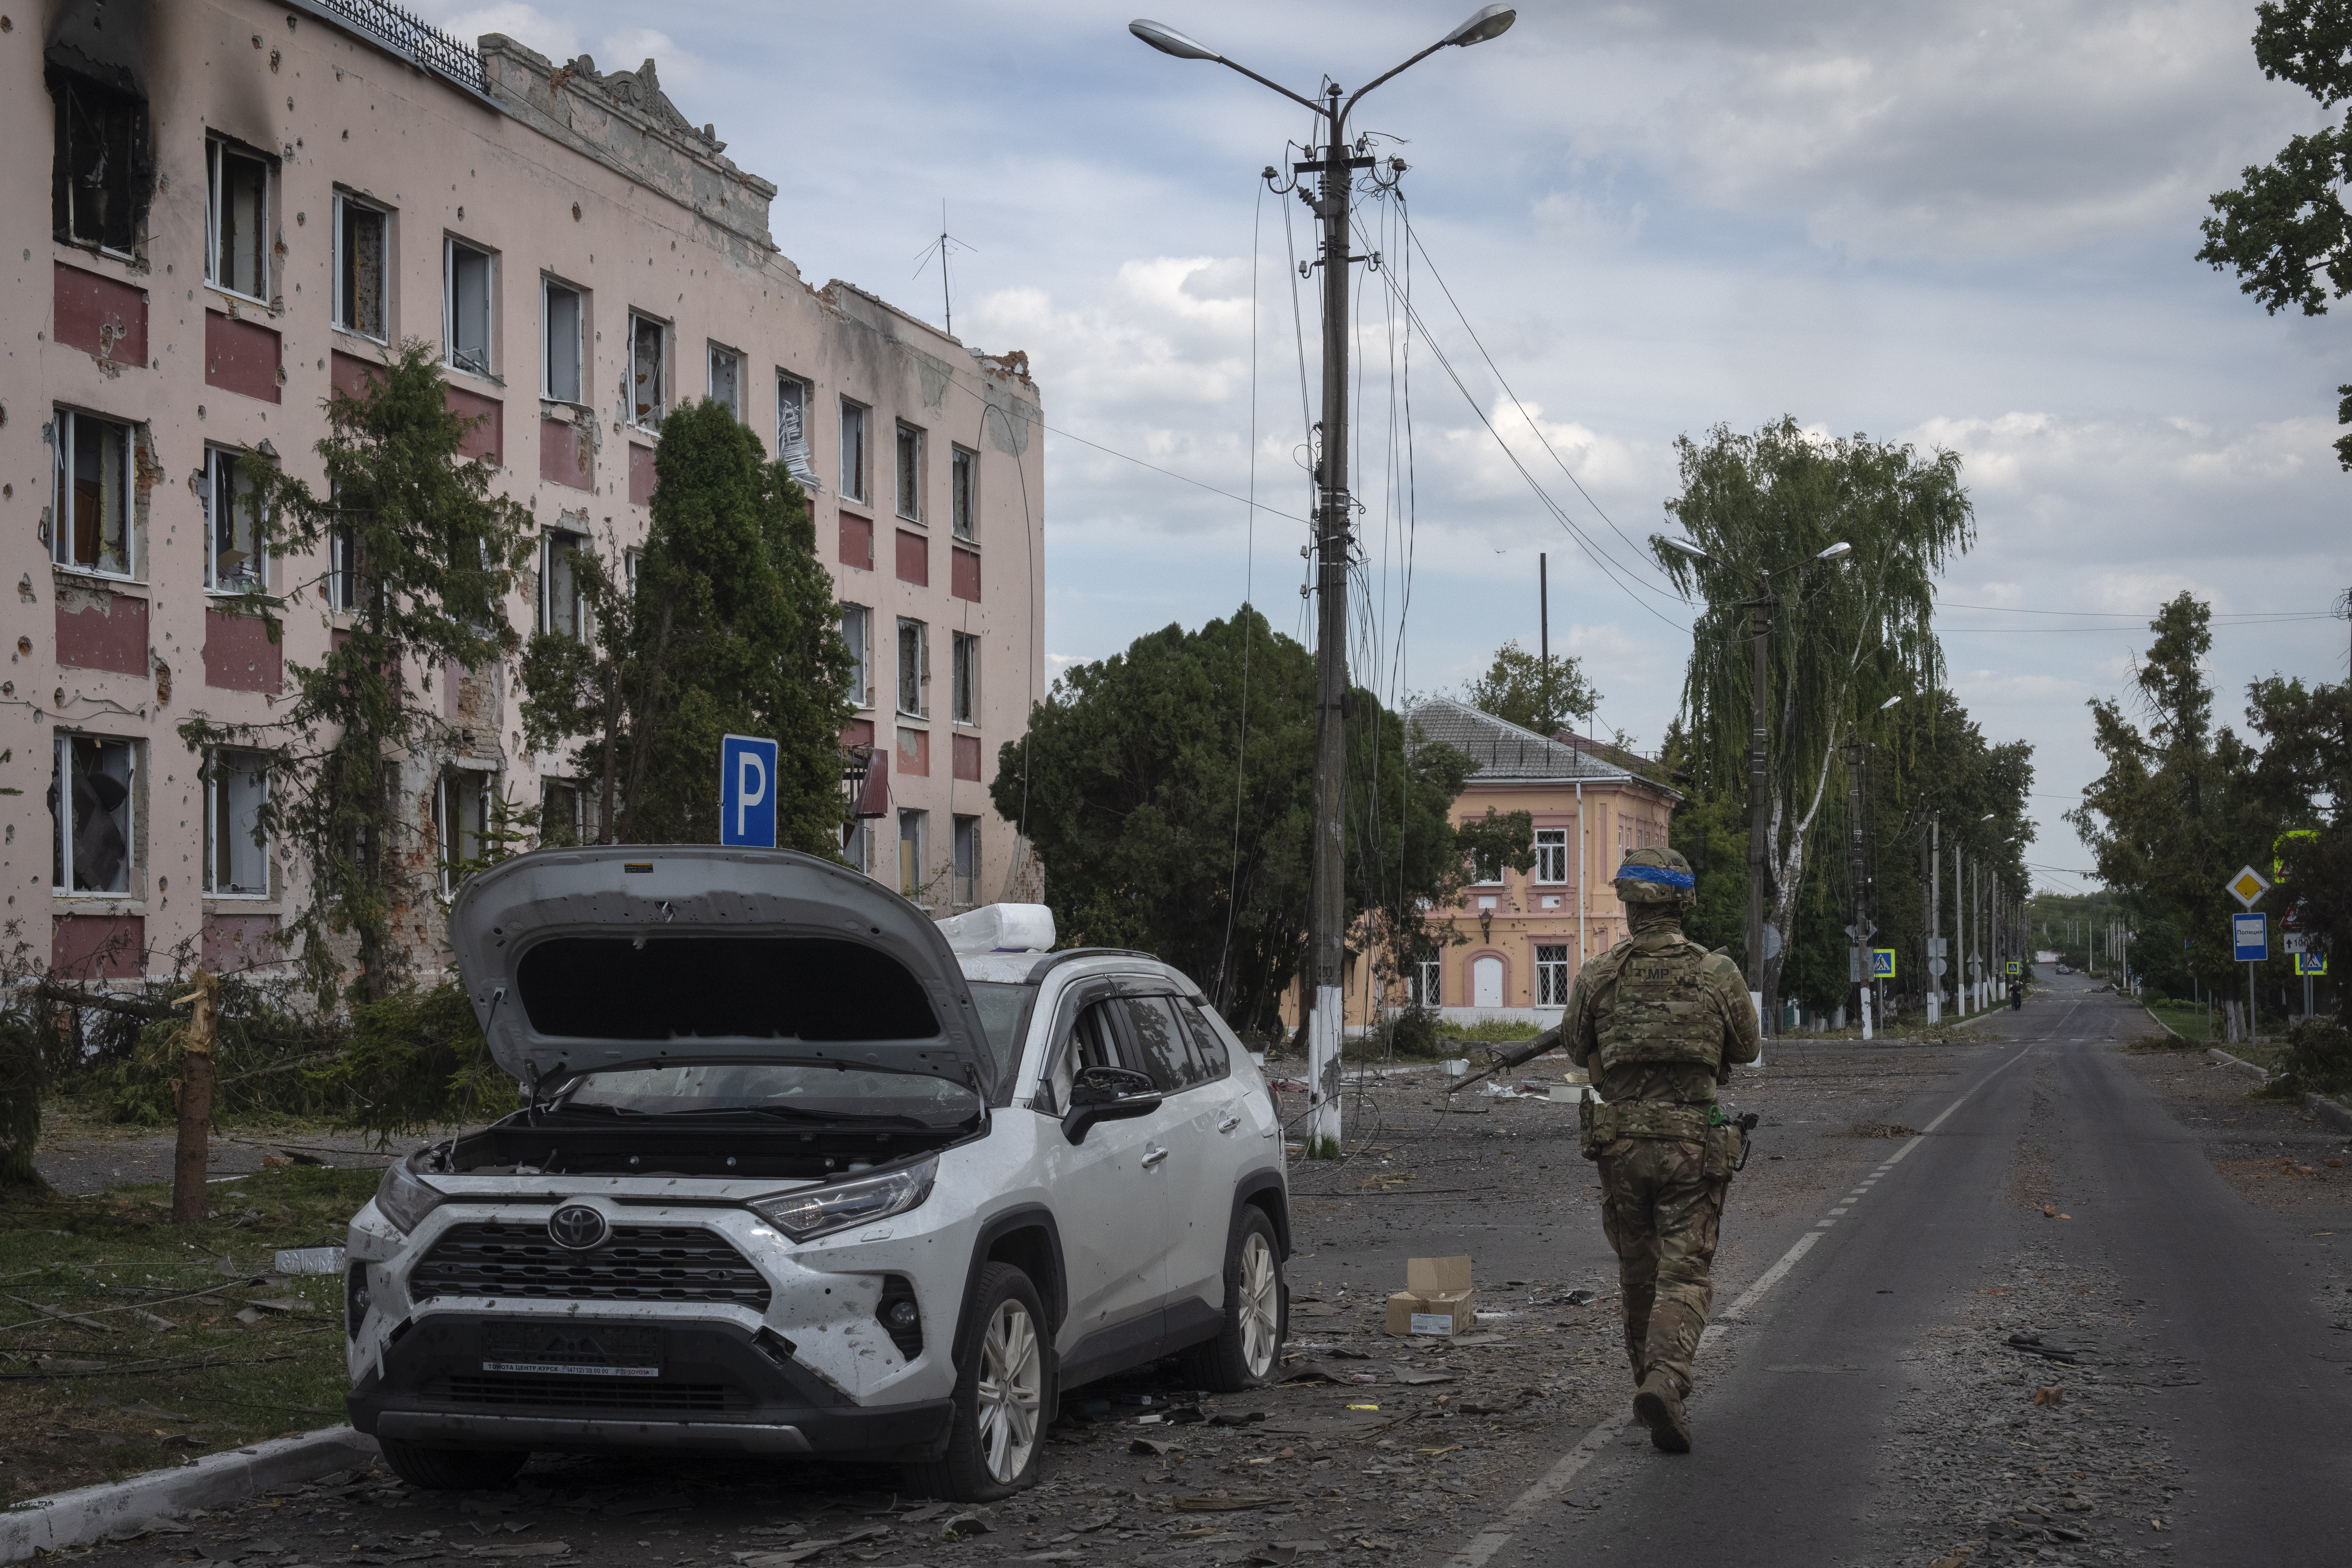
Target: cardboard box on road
{"x": 1436, "y": 1298}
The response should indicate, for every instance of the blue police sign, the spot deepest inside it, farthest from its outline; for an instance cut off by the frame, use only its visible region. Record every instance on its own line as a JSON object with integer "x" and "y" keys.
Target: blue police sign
{"x": 2250, "y": 934}
{"x": 747, "y": 791}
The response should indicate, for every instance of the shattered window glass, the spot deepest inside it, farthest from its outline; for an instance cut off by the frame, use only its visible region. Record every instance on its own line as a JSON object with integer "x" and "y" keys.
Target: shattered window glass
{"x": 101, "y": 147}
{"x": 239, "y": 209}
{"x": 93, "y": 527}
{"x": 234, "y": 559}
{"x": 358, "y": 268}
{"x": 648, "y": 400}
{"x": 727, "y": 380}
{"x": 236, "y": 852}
{"x": 90, "y": 809}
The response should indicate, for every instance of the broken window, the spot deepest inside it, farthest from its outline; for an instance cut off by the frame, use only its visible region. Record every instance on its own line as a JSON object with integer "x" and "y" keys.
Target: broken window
{"x": 1551, "y": 853}
{"x": 792, "y": 428}
{"x": 98, "y": 182}
{"x": 963, "y": 493}
{"x": 727, "y": 379}
{"x": 910, "y": 473}
{"x": 1552, "y": 975}
{"x": 92, "y": 529}
{"x": 967, "y": 861}
{"x": 964, "y": 699}
{"x": 561, "y": 608}
{"x": 236, "y": 561}
{"x": 562, "y": 812}
{"x": 559, "y": 318}
{"x": 852, "y": 451}
{"x": 910, "y": 852}
{"x": 858, "y": 631}
{"x": 461, "y": 822}
{"x": 237, "y": 219}
{"x": 91, "y": 801}
{"x": 648, "y": 400}
{"x": 237, "y": 853}
{"x": 913, "y": 667}
{"x": 343, "y": 584}
{"x": 465, "y": 306}
{"x": 359, "y": 272}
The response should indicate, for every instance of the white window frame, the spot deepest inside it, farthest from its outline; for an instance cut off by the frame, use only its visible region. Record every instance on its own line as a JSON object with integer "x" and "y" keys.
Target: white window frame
{"x": 1551, "y": 856}
{"x": 342, "y": 312}
{"x": 451, "y": 245}
{"x": 218, "y": 150}
{"x": 341, "y": 587}
{"x": 448, "y": 800}
{"x": 1554, "y": 976}
{"x": 221, "y": 463}
{"x": 222, "y": 766}
{"x": 907, "y": 476}
{"x": 794, "y": 395}
{"x": 963, "y": 495}
{"x": 1427, "y": 982}
{"x": 721, "y": 356}
{"x": 553, "y": 542}
{"x": 647, "y": 414}
{"x": 67, "y": 422}
{"x": 916, "y": 670}
{"x": 62, "y": 781}
{"x": 550, "y": 338}
{"x": 856, "y": 423}
{"x": 858, "y": 631}
{"x": 963, "y": 679}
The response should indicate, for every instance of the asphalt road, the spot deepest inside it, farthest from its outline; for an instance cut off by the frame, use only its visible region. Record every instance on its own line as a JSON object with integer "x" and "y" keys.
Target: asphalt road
{"x": 1831, "y": 1424}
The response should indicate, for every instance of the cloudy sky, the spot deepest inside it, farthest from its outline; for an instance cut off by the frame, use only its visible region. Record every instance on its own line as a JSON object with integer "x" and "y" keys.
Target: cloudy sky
{"x": 1970, "y": 224}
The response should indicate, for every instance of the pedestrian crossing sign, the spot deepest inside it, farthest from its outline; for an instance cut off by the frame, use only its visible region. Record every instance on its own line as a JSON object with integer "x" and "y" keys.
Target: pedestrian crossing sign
{"x": 2310, "y": 964}
{"x": 2016, "y": 966}
{"x": 1881, "y": 963}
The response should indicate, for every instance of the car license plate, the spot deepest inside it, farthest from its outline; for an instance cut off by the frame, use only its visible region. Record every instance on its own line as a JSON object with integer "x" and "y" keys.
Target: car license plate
{"x": 570, "y": 1351}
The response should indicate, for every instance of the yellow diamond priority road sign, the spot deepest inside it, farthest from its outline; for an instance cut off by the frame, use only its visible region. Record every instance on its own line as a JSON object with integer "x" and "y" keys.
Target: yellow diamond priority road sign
{"x": 2247, "y": 885}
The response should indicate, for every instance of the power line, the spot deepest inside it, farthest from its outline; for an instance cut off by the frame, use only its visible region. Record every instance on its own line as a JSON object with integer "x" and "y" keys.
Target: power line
{"x": 1139, "y": 462}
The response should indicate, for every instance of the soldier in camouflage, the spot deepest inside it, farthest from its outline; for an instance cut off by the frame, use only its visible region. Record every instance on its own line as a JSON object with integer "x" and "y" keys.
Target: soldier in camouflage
{"x": 1659, "y": 1023}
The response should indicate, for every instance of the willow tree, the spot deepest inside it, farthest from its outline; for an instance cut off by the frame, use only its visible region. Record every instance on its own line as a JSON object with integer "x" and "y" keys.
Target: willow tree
{"x": 1846, "y": 635}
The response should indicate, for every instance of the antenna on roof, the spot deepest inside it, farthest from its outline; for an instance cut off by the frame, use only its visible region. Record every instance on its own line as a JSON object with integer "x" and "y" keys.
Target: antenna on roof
{"x": 942, "y": 247}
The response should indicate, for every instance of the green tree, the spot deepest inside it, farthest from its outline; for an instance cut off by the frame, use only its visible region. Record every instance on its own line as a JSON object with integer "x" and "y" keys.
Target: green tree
{"x": 437, "y": 555}
{"x": 1522, "y": 688}
{"x": 2302, "y": 785}
{"x": 1168, "y": 792}
{"x": 2285, "y": 229}
{"x": 1845, "y": 635}
{"x": 732, "y": 629}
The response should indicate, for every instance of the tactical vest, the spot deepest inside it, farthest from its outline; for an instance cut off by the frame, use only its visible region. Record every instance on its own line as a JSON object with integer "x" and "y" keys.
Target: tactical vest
{"x": 1658, "y": 1010}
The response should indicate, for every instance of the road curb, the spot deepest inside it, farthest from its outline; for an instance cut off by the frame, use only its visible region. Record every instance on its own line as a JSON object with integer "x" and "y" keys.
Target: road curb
{"x": 2227, "y": 1061}
{"x": 89, "y": 1514}
{"x": 2332, "y": 1112}
{"x": 2161, "y": 1024}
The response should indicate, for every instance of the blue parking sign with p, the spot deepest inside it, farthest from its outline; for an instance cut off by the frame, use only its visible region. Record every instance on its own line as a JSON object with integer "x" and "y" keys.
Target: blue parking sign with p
{"x": 747, "y": 791}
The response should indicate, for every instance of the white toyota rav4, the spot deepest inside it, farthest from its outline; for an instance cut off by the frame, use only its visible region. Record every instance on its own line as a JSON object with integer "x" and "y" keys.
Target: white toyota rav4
{"x": 803, "y": 1173}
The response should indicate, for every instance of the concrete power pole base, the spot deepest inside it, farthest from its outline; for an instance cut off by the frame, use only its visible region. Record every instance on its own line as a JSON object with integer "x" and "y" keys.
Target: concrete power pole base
{"x": 1323, "y": 1042}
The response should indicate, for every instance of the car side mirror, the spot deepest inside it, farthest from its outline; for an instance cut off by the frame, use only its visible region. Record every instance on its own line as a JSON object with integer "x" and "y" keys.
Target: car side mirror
{"x": 1107, "y": 1094}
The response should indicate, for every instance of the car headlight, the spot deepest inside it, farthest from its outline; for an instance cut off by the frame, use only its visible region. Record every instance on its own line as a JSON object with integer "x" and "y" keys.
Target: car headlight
{"x": 820, "y": 1211}
{"x": 404, "y": 1198}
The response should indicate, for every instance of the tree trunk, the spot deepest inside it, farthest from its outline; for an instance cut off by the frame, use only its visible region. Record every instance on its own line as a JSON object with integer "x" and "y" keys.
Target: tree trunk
{"x": 188, "y": 1156}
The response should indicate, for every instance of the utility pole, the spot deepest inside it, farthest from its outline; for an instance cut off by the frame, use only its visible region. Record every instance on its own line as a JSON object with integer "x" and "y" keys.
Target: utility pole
{"x": 1333, "y": 166}
{"x": 1936, "y": 917}
{"x": 1543, "y": 622}
{"x": 1857, "y": 902}
{"x": 1759, "y": 833}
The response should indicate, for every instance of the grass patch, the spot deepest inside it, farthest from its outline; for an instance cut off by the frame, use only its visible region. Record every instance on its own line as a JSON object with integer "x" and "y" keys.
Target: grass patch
{"x": 80, "y": 1404}
{"x": 2187, "y": 1019}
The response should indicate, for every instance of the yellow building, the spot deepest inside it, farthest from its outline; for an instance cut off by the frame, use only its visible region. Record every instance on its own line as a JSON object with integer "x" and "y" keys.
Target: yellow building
{"x": 1516, "y": 941}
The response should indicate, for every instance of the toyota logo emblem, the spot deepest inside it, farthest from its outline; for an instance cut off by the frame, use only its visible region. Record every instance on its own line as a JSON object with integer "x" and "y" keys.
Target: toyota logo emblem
{"x": 577, "y": 1227}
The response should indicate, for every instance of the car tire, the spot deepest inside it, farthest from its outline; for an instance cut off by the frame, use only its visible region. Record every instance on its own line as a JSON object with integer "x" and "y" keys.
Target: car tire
{"x": 1003, "y": 1394}
{"x": 452, "y": 1469}
{"x": 1247, "y": 1350}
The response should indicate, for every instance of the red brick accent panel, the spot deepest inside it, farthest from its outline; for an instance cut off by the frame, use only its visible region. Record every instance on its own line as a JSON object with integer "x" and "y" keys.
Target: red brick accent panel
{"x": 914, "y": 559}
{"x": 641, "y": 474}
{"x": 967, "y": 757}
{"x": 101, "y": 630}
{"x": 97, "y": 947}
{"x": 238, "y": 654}
{"x": 964, "y": 574}
{"x": 239, "y": 941}
{"x": 241, "y": 357}
{"x": 914, "y": 753}
{"x": 99, "y": 315}
{"x": 857, "y": 732}
{"x": 487, "y": 437}
{"x": 857, "y": 542}
{"x": 563, "y": 458}
{"x": 350, "y": 375}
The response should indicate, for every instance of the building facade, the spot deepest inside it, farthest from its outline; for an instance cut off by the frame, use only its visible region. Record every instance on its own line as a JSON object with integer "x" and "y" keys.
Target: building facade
{"x": 246, "y": 204}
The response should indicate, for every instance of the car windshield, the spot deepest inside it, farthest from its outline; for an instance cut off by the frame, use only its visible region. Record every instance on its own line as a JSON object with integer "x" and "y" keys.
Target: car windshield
{"x": 1001, "y": 1008}
{"x": 785, "y": 1088}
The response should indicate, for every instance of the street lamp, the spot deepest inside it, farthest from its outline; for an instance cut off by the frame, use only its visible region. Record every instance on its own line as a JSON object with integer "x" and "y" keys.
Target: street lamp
{"x": 1335, "y": 165}
{"x": 1760, "y": 627}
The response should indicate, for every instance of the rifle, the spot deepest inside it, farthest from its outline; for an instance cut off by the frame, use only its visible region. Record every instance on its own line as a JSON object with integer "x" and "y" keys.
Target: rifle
{"x": 1505, "y": 1061}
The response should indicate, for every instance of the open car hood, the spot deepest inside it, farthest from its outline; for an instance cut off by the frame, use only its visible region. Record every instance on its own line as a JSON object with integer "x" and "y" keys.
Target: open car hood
{"x": 580, "y": 959}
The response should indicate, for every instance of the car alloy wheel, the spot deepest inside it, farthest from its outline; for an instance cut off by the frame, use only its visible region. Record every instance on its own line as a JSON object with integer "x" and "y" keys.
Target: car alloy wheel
{"x": 1261, "y": 1304}
{"x": 1012, "y": 1390}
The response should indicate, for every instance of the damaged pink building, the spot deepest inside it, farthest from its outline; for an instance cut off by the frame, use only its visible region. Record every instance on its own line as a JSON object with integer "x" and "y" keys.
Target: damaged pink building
{"x": 249, "y": 204}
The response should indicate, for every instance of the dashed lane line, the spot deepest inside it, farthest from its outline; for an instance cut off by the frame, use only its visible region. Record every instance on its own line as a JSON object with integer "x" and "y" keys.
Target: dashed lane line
{"x": 1556, "y": 1481}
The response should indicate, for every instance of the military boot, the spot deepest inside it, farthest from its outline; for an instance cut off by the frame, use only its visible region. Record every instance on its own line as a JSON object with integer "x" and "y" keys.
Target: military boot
{"x": 1659, "y": 1406}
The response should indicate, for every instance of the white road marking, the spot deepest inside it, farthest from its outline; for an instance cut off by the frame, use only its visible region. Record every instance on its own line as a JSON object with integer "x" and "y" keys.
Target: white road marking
{"x": 1555, "y": 1481}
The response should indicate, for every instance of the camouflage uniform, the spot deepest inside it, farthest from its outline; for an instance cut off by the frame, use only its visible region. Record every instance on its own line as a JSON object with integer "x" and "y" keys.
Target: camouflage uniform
{"x": 1659, "y": 1022}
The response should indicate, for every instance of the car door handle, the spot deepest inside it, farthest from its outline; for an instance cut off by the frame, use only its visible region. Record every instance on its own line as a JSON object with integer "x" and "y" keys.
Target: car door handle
{"x": 1229, "y": 1124}
{"x": 1154, "y": 1158}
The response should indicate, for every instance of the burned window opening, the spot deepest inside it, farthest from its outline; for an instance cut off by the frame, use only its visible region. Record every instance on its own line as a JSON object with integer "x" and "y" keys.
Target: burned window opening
{"x": 102, "y": 176}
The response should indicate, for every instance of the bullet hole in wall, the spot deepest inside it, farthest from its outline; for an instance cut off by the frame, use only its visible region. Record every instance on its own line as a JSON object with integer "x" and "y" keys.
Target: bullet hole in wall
{"x": 575, "y": 218}
{"x": 302, "y": 219}
{"x": 347, "y": 136}
{"x": 461, "y": 214}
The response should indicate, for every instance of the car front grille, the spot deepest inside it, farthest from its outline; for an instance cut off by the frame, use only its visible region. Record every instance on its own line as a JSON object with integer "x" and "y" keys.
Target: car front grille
{"x": 638, "y": 1263}
{"x": 586, "y": 1394}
